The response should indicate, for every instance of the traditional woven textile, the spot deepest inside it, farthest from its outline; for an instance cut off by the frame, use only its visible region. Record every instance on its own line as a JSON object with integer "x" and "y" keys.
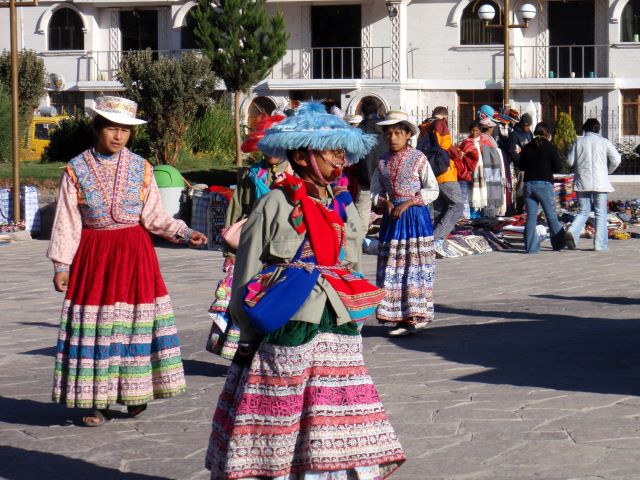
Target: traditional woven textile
{"x": 406, "y": 255}
{"x": 299, "y": 409}
{"x": 29, "y": 207}
{"x": 117, "y": 341}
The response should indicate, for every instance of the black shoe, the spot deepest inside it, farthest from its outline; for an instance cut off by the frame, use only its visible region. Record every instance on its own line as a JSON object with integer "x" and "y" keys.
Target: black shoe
{"x": 570, "y": 242}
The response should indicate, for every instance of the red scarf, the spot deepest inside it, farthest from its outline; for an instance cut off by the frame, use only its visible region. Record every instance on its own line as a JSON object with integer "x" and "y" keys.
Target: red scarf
{"x": 324, "y": 227}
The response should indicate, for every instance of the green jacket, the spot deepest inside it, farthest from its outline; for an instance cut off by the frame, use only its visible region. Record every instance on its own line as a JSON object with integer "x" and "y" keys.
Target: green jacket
{"x": 268, "y": 238}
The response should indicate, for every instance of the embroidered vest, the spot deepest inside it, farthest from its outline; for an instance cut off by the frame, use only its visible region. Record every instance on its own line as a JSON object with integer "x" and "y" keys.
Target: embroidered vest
{"x": 399, "y": 173}
{"x": 103, "y": 204}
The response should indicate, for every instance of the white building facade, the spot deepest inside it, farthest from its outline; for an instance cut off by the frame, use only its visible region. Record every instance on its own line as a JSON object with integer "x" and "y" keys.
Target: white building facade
{"x": 577, "y": 56}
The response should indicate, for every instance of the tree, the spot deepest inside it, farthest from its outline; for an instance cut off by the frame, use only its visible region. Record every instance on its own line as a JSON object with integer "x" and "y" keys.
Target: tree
{"x": 5, "y": 125}
{"x": 244, "y": 42}
{"x": 31, "y": 82}
{"x": 564, "y": 136}
{"x": 169, "y": 92}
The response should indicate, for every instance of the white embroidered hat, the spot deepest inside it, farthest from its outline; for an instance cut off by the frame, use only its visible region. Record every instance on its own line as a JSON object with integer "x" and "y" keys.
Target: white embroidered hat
{"x": 117, "y": 110}
{"x": 394, "y": 117}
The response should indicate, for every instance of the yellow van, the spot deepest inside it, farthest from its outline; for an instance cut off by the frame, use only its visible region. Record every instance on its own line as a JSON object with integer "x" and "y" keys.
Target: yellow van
{"x": 39, "y": 133}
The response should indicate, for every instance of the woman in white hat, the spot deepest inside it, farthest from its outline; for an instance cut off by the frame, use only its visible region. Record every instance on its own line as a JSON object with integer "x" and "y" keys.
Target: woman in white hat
{"x": 117, "y": 341}
{"x": 403, "y": 185}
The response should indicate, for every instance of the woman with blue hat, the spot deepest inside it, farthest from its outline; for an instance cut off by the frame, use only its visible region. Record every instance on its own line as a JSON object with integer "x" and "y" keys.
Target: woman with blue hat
{"x": 298, "y": 402}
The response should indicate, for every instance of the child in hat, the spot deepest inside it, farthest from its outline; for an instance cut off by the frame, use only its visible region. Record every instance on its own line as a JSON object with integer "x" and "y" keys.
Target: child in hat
{"x": 403, "y": 185}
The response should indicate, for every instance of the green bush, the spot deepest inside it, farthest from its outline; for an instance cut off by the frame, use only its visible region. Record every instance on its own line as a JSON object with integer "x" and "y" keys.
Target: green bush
{"x": 72, "y": 137}
{"x": 5, "y": 126}
{"x": 563, "y": 138}
{"x": 212, "y": 133}
{"x": 31, "y": 83}
{"x": 141, "y": 144}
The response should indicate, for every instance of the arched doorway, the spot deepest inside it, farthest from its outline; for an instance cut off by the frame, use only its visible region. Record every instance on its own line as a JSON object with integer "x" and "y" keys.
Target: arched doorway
{"x": 371, "y": 102}
{"x": 258, "y": 108}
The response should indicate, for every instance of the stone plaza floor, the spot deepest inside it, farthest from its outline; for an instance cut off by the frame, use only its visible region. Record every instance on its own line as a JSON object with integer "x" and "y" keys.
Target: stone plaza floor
{"x": 530, "y": 371}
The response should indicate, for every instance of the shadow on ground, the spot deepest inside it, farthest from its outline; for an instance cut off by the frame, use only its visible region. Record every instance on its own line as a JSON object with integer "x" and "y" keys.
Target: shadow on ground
{"x": 29, "y": 412}
{"x": 611, "y": 300}
{"x": 204, "y": 369}
{"x": 21, "y": 464}
{"x": 546, "y": 350}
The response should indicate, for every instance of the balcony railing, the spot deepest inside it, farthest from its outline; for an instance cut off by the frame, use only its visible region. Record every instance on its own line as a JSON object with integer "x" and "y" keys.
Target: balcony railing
{"x": 303, "y": 64}
{"x": 334, "y": 63}
{"x": 104, "y": 65}
{"x": 561, "y": 61}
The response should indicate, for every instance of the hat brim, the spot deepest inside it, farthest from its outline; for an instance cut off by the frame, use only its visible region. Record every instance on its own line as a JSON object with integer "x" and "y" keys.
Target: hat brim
{"x": 118, "y": 118}
{"x": 386, "y": 123}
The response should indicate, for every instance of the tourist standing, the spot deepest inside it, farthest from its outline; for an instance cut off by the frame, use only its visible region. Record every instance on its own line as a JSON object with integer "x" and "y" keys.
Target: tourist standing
{"x": 298, "y": 401}
{"x": 448, "y": 208}
{"x": 403, "y": 186}
{"x": 519, "y": 137}
{"x": 593, "y": 158}
{"x": 117, "y": 341}
{"x": 539, "y": 160}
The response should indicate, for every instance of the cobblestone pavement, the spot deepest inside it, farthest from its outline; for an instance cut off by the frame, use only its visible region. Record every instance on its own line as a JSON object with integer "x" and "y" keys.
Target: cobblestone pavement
{"x": 531, "y": 370}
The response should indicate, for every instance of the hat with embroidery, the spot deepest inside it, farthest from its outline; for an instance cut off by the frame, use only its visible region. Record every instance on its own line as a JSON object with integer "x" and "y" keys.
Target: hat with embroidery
{"x": 118, "y": 110}
{"x": 250, "y": 143}
{"x": 313, "y": 128}
{"x": 395, "y": 117}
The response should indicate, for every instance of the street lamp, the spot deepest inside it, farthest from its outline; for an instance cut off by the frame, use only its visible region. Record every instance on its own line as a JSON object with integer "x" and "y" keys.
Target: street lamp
{"x": 486, "y": 13}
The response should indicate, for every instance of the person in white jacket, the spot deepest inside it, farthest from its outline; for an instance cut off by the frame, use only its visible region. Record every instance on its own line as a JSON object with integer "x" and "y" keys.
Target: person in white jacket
{"x": 594, "y": 158}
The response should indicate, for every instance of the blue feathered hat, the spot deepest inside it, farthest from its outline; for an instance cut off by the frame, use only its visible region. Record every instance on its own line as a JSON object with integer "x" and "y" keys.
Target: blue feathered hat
{"x": 312, "y": 127}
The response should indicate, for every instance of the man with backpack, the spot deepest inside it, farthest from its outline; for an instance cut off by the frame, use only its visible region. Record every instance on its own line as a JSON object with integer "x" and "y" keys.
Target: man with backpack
{"x": 435, "y": 142}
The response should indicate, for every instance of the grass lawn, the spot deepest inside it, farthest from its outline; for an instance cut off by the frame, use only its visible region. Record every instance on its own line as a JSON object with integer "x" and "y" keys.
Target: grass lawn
{"x": 196, "y": 169}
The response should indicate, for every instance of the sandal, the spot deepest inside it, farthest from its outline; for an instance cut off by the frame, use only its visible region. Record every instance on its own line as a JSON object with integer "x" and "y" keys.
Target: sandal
{"x": 136, "y": 410}
{"x": 97, "y": 418}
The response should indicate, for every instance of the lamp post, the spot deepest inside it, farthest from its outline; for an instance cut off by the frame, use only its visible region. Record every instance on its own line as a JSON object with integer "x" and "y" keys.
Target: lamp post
{"x": 486, "y": 13}
{"x": 15, "y": 144}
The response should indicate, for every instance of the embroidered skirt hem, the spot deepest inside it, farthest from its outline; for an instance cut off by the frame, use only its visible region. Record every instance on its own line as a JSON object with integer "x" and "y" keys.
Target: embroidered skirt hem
{"x": 301, "y": 410}
{"x": 117, "y": 341}
{"x": 406, "y": 267}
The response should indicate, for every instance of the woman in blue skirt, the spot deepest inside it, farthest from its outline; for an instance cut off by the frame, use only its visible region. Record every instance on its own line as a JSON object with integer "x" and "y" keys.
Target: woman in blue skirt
{"x": 403, "y": 185}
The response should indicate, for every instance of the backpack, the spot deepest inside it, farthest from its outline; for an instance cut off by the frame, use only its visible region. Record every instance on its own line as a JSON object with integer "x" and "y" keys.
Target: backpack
{"x": 437, "y": 156}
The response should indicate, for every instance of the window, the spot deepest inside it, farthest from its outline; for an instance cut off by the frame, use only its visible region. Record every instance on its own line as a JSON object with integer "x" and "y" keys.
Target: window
{"x": 65, "y": 30}
{"x": 631, "y": 112}
{"x": 630, "y": 24}
{"x": 469, "y": 101}
{"x": 473, "y": 31}
{"x": 569, "y": 101}
{"x": 187, "y": 37}
{"x": 42, "y": 131}
{"x": 67, "y": 103}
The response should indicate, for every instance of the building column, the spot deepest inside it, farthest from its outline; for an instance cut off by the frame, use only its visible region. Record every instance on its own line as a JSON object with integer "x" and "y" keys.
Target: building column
{"x": 399, "y": 40}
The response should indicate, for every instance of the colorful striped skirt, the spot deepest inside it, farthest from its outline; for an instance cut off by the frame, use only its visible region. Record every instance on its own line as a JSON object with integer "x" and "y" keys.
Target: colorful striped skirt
{"x": 303, "y": 412}
{"x": 118, "y": 341}
{"x": 406, "y": 266}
